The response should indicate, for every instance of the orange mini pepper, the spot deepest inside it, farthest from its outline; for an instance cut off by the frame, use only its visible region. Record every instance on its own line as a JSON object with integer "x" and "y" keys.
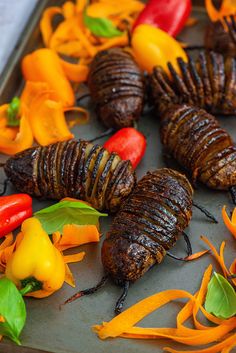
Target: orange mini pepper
{"x": 154, "y": 47}
{"x": 43, "y": 65}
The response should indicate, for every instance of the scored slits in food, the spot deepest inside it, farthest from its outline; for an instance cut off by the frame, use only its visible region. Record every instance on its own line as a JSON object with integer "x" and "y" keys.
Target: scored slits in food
{"x": 116, "y": 84}
{"x": 220, "y": 36}
{"x": 200, "y": 145}
{"x": 148, "y": 224}
{"x": 75, "y": 169}
{"x": 209, "y": 83}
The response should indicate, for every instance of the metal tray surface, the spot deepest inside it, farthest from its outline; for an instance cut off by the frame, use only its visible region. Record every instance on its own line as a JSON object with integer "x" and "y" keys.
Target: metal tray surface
{"x": 69, "y": 330}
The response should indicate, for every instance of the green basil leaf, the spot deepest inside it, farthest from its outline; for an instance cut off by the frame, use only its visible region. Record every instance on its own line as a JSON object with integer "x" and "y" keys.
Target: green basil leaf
{"x": 54, "y": 218}
{"x": 101, "y": 27}
{"x": 221, "y": 297}
{"x": 12, "y": 112}
{"x": 12, "y": 309}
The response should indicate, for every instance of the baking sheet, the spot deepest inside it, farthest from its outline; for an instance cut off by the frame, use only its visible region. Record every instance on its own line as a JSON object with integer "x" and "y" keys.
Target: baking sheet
{"x": 69, "y": 330}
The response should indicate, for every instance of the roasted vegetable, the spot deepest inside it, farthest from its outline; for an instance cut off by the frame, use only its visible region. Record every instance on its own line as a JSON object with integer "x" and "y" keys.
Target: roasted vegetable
{"x": 147, "y": 225}
{"x": 72, "y": 168}
{"x": 197, "y": 141}
{"x": 37, "y": 267}
{"x": 209, "y": 83}
{"x": 220, "y": 36}
{"x": 117, "y": 88}
{"x": 14, "y": 209}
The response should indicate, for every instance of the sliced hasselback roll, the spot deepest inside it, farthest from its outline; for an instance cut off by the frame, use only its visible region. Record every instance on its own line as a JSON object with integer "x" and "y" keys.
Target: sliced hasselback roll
{"x": 116, "y": 85}
{"x": 208, "y": 83}
{"x": 196, "y": 140}
{"x": 73, "y": 168}
{"x": 148, "y": 224}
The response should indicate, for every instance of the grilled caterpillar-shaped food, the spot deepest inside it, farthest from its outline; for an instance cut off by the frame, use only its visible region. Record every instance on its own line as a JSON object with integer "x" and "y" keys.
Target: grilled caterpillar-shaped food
{"x": 116, "y": 85}
{"x": 199, "y": 144}
{"x": 148, "y": 224}
{"x": 221, "y": 36}
{"x": 72, "y": 168}
{"x": 208, "y": 83}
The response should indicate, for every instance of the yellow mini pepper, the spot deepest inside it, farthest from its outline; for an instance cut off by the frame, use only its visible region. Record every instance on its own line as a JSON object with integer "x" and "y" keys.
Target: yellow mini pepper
{"x": 154, "y": 47}
{"x": 36, "y": 267}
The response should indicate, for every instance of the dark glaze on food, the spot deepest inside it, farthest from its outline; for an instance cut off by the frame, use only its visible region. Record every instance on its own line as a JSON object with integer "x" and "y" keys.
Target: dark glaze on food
{"x": 221, "y": 36}
{"x": 72, "y": 168}
{"x": 148, "y": 224}
{"x": 116, "y": 84}
{"x": 199, "y": 144}
{"x": 209, "y": 83}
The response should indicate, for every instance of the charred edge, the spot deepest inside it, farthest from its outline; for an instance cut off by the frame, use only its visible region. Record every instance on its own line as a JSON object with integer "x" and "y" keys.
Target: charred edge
{"x": 232, "y": 191}
{"x": 207, "y": 213}
{"x": 87, "y": 291}
{"x": 5, "y": 184}
{"x": 121, "y": 300}
{"x": 108, "y": 132}
{"x": 188, "y": 243}
{"x": 176, "y": 257}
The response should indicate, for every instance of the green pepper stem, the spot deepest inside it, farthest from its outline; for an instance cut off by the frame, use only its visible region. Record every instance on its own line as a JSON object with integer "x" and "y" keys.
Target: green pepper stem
{"x": 30, "y": 284}
{"x": 27, "y": 289}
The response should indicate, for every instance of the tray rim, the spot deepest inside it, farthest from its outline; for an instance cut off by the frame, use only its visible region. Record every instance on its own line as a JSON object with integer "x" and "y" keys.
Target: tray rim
{"x": 11, "y": 73}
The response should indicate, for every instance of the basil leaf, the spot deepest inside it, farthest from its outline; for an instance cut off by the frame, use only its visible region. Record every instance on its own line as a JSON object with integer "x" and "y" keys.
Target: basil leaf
{"x": 221, "y": 297}
{"x": 12, "y": 112}
{"x": 101, "y": 27}
{"x": 12, "y": 309}
{"x": 54, "y": 218}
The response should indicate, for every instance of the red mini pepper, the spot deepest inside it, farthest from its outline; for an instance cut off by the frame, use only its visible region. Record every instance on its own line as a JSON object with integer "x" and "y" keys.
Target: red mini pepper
{"x": 129, "y": 144}
{"x": 14, "y": 209}
{"x": 168, "y": 15}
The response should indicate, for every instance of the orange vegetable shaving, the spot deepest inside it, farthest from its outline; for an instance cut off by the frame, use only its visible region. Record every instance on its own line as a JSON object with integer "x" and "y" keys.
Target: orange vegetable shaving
{"x": 75, "y": 72}
{"x": 230, "y": 224}
{"x": 48, "y": 121}
{"x": 228, "y": 7}
{"x": 196, "y": 256}
{"x": 123, "y": 324}
{"x": 218, "y": 256}
{"x": 22, "y": 140}
{"x": 43, "y": 65}
{"x": 76, "y": 235}
{"x": 71, "y": 37}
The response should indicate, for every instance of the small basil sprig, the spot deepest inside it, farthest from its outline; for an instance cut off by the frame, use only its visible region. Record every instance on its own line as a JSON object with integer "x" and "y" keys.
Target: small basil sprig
{"x": 12, "y": 309}
{"x": 101, "y": 27}
{"x": 221, "y": 297}
{"x": 12, "y": 112}
{"x": 54, "y": 218}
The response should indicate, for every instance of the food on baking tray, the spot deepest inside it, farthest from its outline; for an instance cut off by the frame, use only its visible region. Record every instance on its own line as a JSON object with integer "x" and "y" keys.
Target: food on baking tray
{"x": 14, "y": 209}
{"x": 147, "y": 225}
{"x": 129, "y": 144}
{"x": 151, "y": 47}
{"x": 116, "y": 84}
{"x": 209, "y": 83}
{"x": 220, "y": 34}
{"x": 73, "y": 168}
{"x": 200, "y": 145}
{"x": 170, "y": 15}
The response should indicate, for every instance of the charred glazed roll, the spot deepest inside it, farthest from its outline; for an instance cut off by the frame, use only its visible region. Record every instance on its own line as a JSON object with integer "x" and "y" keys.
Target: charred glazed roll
{"x": 148, "y": 224}
{"x": 208, "y": 83}
{"x": 117, "y": 88}
{"x": 199, "y": 144}
{"x": 221, "y": 36}
{"x": 72, "y": 168}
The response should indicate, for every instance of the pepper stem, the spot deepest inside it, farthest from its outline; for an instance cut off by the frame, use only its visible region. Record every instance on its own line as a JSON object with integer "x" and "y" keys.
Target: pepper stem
{"x": 27, "y": 289}
{"x": 30, "y": 285}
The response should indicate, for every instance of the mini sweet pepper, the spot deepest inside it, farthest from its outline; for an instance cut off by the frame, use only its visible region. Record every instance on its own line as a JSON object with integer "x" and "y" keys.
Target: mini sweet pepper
{"x": 154, "y": 47}
{"x": 37, "y": 266}
{"x": 129, "y": 144}
{"x": 14, "y": 209}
